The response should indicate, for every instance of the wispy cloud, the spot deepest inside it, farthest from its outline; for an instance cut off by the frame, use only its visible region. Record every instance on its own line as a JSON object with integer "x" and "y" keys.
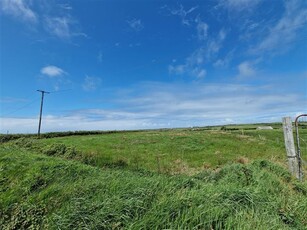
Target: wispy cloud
{"x": 52, "y": 71}
{"x": 155, "y": 105}
{"x": 53, "y": 123}
{"x": 224, "y": 61}
{"x": 199, "y": 72}
{"x": 195, "y": 63}
{"x": 135, "y": 24}
{"x": 246, "y": 69}
{"x": 193, "y": 70}
{"x": 239, "y": 5}
{"x": 58, "y": 26}
{"x": 56, "y": 19}
{"x": 65, "y": 6}
{"x": 203, "y": 103}
{"x": 190, "y": 68}
{"x": 285, "y": 31}
{"x": 215, "y": 44}
{"x": 182, "y": 13}
{"x": 91, "y": 83}
{"x": 202, "y": 30}
{"x": 19, "y": 9}
{"x": 62, "y": 27}
{"x": 176, "y": 69}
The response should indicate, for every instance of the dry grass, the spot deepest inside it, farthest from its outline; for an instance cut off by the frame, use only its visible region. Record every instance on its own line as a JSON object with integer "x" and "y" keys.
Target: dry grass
{"x": 242, "y": 160}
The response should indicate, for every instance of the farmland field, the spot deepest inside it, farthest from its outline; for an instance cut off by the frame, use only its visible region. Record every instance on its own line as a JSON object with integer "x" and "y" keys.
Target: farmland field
{"x": 177, "y": 150}
{"x": 229, "y": 178}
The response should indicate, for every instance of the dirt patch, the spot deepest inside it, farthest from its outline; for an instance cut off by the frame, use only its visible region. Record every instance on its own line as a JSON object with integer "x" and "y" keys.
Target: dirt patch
{"x": 243, "y": 160}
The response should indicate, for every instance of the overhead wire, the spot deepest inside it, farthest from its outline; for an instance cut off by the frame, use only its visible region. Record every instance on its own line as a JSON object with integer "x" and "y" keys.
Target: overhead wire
{"x": 31, "y": 102}
{"x": 20, "y": 108}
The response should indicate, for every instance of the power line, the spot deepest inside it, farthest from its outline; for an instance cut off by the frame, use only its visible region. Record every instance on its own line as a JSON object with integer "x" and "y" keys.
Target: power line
{"x": 20, "y": 108}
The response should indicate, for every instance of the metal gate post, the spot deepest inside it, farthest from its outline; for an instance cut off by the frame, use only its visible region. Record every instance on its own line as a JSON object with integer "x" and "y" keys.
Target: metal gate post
{"x": 298, "y": 148}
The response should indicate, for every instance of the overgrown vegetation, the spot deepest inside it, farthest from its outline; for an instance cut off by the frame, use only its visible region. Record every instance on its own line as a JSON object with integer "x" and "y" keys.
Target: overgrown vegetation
{"x": 39, "y": 192}
{"x": 169, "y": 151}
{"x": 168, "y": 179}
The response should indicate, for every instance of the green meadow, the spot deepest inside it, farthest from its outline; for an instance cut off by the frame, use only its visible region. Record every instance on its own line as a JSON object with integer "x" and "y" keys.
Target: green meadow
{"x": 164, "y": 150}
{"x": 172, "y": 151}
{"x": 200, "y": 178}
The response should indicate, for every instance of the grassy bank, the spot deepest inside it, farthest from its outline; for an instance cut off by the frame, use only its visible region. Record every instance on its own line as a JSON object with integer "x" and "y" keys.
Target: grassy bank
{"x": 38, "y": 191}
{"x": 170, "y": 151}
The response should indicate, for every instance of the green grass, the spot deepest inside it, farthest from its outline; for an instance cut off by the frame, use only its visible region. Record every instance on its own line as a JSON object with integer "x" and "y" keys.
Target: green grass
{"x": 167, "y": 179}
{"x": 176, "y": 151}
{"x": 39, "y": 192}
{"x": 170, "y": 151}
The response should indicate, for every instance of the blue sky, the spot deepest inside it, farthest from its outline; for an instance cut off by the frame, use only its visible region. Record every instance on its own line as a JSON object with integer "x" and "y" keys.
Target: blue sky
{"x": 115, "y": 65}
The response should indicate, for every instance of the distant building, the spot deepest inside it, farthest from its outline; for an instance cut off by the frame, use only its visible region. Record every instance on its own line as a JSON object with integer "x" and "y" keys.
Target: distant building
{"x": 264, "y": 127}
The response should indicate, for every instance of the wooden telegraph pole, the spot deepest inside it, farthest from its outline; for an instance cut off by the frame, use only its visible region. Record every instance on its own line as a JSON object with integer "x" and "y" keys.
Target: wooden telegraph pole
{"x": 41, "y": 112}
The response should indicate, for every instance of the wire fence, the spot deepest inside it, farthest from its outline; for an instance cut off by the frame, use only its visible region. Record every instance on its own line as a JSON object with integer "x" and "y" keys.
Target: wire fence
{"x": 301, "y": 139}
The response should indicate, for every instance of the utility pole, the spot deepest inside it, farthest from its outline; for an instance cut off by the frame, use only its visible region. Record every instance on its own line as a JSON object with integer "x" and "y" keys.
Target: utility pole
{"x": 41, "y": 111}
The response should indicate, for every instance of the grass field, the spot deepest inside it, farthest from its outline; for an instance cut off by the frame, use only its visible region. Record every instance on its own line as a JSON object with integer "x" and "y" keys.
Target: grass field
{"x": 39, "y": 192}
{"x": 173, "y": 151}
{"x": 168, "y": 179}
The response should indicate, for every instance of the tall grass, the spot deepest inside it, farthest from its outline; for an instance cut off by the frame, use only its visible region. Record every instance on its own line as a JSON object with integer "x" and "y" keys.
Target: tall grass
{"x": 170, "y": 151}
{"x": 40, "y": 191}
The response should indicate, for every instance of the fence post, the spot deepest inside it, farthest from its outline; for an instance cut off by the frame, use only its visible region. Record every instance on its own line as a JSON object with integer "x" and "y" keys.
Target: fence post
{"x": 290, "y": 148}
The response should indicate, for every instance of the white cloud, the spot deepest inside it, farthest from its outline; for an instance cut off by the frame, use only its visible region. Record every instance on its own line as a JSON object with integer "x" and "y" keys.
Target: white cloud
{"x": 65, "y": 6}
{"x": 20, "y": 9}
{"x": 52, "y": 71}
{"x": 172, "y": 105}
{"x": 73, "y": 123}
{"x": 202, "y": 30}
{"x": 183, "y": 13}
{"x": 194, "y": 65}
{"x": 58, "y": 26}
{"x": 200, "y": 73}
{"x": 91, "y": 83}
{"x": 208, "y": 102}
{"x": 136, "y": 24}
{"x": 220, "y": 63}
{"x": 214, "y": 45}
{"x": 239, "y": 5}
{"x": 285, "y": 31}
{"x": 178, "y": 70}
{"x": 55, "y": 18}
{"x": 196, "y": 62}
{"x": 59, "y": 22}
{"x": 197, "y": 57}
{"x": 246, "y": 69}
{"x": 225, "y": 60}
